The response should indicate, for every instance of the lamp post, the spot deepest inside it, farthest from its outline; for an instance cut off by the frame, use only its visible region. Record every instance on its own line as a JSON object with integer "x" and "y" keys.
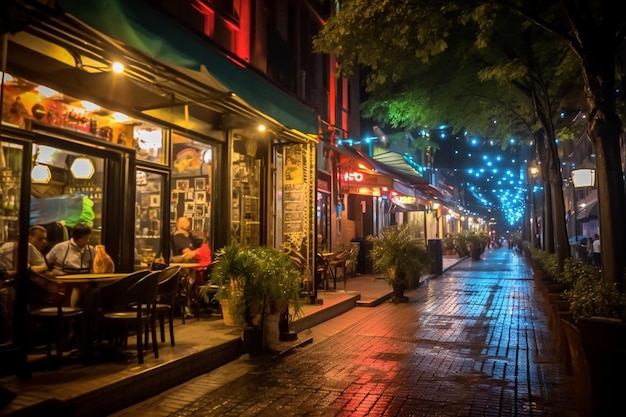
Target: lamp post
{"x": 584, "y": 175}
{"x": 533, "y": 172}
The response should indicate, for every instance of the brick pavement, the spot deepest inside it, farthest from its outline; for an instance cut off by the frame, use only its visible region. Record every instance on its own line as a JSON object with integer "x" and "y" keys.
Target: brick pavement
{"x": 472, "y": 342}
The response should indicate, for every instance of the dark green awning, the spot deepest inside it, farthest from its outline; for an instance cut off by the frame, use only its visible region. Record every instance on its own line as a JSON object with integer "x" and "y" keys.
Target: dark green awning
{"x": 144, "y": 28}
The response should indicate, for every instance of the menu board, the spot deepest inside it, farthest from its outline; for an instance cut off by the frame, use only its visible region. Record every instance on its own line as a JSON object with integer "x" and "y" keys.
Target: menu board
{"x": 293, "y": 203}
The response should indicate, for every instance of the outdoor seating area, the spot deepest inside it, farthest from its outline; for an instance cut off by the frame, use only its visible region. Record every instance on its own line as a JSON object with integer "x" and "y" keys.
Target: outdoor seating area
{"x": 117, "y": 315}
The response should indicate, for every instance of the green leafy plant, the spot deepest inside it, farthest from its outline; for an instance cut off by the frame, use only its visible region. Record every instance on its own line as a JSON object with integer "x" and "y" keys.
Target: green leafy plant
{"x": 592, "y": 296}
{"x": 397, "y": 254}
{"x": 256, "y": 281}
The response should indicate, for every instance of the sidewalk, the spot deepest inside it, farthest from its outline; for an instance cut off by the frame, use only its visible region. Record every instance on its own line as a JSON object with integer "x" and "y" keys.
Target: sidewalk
{"x": 201, "y": 346}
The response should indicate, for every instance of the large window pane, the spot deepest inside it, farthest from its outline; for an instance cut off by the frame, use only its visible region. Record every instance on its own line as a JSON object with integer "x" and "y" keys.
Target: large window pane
{"x": 10, "y": 178}
{"x": 150, "y": 212}
{"x": 67, "y": 188}
{"x": 192, "y": 187}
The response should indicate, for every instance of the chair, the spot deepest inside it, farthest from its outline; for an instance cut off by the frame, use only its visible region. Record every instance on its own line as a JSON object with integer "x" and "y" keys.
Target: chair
{"x": 321, "y": 270}
{"x": 339, "y": 262}
{"x": 353, "y": 259}
{"x": 46, "y": 306}
{"x": 137, "y": 307}
{"x": 169, "y": 282}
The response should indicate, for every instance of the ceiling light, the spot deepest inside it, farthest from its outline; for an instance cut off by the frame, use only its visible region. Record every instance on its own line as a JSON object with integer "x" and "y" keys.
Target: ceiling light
{"x": 117, "y": 67}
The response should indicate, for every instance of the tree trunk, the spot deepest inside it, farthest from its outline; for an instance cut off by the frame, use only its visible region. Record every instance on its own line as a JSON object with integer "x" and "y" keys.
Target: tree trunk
{"x": 604, "y": 129}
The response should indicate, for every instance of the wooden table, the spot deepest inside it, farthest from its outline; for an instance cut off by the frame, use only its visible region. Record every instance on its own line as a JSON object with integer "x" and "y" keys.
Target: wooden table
{"x": 89, "y": 278}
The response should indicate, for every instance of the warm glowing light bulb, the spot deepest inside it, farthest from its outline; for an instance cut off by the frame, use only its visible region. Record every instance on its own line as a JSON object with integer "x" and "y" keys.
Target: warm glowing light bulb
{"x": 117, "y": 67}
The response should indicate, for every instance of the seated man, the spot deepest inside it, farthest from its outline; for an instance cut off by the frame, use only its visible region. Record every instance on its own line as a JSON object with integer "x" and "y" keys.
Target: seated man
{"x": 74, "y": 256}
{"x": 183, "y": 244}
{"x": 37, "y": 239}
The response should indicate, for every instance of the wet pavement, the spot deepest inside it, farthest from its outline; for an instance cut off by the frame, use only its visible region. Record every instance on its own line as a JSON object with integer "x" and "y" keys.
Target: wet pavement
{"x": 471, "y": 342}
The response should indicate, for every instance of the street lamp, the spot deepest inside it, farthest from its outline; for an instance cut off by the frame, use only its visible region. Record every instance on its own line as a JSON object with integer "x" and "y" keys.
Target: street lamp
{"x": 584, "y": 175}
{"x": 533, "y": 172}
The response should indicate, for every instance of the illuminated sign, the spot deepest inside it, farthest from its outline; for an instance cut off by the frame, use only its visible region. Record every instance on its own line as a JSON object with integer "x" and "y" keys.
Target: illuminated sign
{"x": 404, "y": 199}
{"x": 366, "y": 179}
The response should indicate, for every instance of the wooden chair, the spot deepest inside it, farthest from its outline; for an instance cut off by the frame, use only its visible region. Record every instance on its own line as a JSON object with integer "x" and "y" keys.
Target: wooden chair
{"x": 47, "y": 307}
{"x": 169, "y": 284}
{"x": 140, "y": 302}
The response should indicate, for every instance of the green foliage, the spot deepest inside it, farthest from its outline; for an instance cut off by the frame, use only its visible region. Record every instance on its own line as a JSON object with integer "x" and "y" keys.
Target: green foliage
{"x": 397, "y": 254}
{"x": 592, "y": 296}
{"x": 448, "y": 242}
{"x": 256, "y": 281}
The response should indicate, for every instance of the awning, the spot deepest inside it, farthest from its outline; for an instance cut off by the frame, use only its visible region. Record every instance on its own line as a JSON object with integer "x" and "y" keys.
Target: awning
{"x": 141, "y": 26}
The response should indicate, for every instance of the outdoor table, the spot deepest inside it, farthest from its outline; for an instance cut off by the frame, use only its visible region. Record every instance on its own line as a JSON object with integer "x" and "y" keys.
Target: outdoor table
{"x": 92, "y": 279}
{"x": 90, "y": 304}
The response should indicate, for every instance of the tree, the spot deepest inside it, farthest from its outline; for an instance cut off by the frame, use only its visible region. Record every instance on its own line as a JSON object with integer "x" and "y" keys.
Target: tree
{"x": 395, "y": 37}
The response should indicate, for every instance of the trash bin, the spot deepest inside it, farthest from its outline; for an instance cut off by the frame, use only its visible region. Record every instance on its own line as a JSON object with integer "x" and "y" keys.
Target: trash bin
{"x": 364, "y": 265}
{"x": 435, "y": 249}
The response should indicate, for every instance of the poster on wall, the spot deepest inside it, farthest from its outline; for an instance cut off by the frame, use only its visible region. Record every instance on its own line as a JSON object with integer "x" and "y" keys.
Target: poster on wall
{"x": 294, "y": 173}
{"x": 293, "y": 197}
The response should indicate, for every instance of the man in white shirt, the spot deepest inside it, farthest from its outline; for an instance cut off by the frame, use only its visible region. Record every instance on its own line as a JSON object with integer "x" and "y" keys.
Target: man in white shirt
{"x": 37, "y": 240}
{"x": 74, "y": 256}
{"x": 596, "y": 250}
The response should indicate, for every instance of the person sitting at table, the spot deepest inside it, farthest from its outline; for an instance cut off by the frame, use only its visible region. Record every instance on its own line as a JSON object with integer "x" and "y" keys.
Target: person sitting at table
{"x": 37, "y": 240}
{"x": 184, "y": 247}
{"x": 74, "y": 256}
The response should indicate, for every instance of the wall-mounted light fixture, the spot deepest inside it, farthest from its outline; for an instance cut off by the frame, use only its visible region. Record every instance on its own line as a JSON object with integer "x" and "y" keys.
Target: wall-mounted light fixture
{"x": 584, "y": 175}
{"x": 40, "y": 174}
{"x": 82, "y": 168}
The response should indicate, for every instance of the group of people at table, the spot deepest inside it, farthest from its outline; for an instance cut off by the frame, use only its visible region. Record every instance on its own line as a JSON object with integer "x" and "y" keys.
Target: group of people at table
{"x": 76, "y": 255}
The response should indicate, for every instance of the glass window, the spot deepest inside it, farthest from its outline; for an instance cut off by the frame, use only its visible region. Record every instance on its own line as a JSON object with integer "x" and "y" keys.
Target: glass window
{"x": 150, "y": 212}
{"x": 246, "y": 194}
{"x": 67, "y": 189}
{"x": 192, "y": 186}
{"x": 10, "y": 178}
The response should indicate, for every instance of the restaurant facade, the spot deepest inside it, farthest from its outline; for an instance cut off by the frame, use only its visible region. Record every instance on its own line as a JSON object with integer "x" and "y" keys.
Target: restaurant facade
{"x": 182, "y": 130}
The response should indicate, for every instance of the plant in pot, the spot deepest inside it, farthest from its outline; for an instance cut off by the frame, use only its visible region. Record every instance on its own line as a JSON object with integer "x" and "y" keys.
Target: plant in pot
{"x": 448, "y": 245}
{"x": 259, "y": 284}
{"x": 396, "y": 254}
{"x": 598, "y": 310}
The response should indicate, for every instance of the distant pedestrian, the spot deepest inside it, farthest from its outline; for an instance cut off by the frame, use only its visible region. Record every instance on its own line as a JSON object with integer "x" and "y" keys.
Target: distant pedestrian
{"x": 596, "y": 250}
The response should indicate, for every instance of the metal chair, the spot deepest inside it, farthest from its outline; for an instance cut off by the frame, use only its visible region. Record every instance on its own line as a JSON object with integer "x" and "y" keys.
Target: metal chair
{"x": 339, "y": 262}
{"x": 46, "y": 306}
{"x": 139, "y": 303}
{"x": 169, "y": 283}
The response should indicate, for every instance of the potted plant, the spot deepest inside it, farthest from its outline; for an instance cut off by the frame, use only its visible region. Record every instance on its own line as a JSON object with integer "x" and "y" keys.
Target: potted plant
{"x": 396, "y": 254}
{"x": 259, "y": 284}
{"x": 448, "y": 245}
{"x": 598, "y": 311}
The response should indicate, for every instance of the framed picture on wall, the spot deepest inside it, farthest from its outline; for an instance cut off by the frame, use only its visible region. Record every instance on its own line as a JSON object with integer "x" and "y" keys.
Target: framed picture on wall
{"x": 199, "y": 210}
{"x": 189, "y": 207}
{"x": 182, "y": 185}
{"x": 198, "y": 224}
{"x": 173, "y": 216}
{"x": 174, "y": 198}
{"x": 155, "y": 200}
{"x": 199, "y": 184}
{"x": 153, "y": 214}
{"x": 200, "y": 197}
